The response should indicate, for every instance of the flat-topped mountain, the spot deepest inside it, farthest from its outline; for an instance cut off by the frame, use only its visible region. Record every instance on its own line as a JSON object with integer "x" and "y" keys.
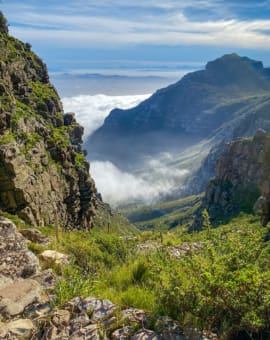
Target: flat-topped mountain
{"x": 197, "y": 107}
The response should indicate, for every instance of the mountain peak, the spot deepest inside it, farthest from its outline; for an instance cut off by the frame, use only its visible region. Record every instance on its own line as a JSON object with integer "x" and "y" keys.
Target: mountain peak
{"x": 231, "y": 60}
{"x": 231, "y": 69}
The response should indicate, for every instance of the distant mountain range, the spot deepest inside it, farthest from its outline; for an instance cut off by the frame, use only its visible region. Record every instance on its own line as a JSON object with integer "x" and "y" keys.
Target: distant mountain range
{"x": 230, "y": 98}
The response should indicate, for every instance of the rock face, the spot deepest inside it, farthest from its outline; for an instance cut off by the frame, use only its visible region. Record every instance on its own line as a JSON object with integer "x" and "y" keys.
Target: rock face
{"x": 229, "y": 99}
{"x": 21, "y": 281}
{"x": 242, "y": 175}
{"x": 15, "y": 259}
{"x": 44, "y": 177}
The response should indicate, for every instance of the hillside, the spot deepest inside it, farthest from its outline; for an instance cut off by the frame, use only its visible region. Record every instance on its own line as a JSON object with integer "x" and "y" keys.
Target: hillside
{"x": 211, "y": 104}
{"x": 163, "y": 216}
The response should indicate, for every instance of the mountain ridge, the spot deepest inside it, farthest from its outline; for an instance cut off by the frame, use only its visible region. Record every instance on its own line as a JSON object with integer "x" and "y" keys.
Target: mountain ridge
{"x": 180, "y": 113}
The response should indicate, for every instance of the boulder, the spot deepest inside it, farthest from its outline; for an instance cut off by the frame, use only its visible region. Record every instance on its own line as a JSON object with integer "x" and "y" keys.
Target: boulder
{"x": 89, "y": 332}
{"x": 22, "y": 328}
{"x": 54, "y": 257}
{"x": 34, "y": 235}
{"x": 20, "y": 294}
{"x": 124, "y": 333}
{"x": 146, "y": 334}
{"x": 61, "y": 317}
{"x": 79, "y": 321}
{"x": 135, "y": 315}
{"x": 15, "y": 258}
{"x": 45, "y": 278}
{"x": 101, "y": 309}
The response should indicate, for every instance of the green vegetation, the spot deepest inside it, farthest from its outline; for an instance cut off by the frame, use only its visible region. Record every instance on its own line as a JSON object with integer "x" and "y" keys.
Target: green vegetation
{"x": 79, "y": 160}
{"x": 42, "y": 91}
{"x": 8, "y": 137}
{"x": 163, "y": 216}
{"x": 223, "y": 286}
{"x": 107, "y": 221}
{"x": 59, "y": 137}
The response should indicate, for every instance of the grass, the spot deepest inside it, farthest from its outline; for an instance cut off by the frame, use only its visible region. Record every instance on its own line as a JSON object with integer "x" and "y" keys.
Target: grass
{"x": 163, "y": 216}
{"x": 223, "y": 287}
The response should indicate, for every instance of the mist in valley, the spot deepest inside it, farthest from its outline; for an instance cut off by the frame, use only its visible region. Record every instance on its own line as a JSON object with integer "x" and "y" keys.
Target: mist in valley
{"x": 149, "y": 180}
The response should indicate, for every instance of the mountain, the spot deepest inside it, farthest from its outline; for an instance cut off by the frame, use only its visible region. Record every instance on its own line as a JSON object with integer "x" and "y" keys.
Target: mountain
{"x": 44, "y": 176}
{"x": 204, "y": 105}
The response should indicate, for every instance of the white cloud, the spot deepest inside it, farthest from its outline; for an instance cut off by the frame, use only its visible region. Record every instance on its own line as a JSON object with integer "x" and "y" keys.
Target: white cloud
{"x": 118, "y": 187}
{"x": 92, "y": 25}
{"x": 174, "y": 30}
{"x": 157, "y": 177}
{"x": 92, "y": 110}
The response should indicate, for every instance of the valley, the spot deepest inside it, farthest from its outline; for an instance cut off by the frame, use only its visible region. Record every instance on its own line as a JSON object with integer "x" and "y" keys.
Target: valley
{"x": 176, "y": 248}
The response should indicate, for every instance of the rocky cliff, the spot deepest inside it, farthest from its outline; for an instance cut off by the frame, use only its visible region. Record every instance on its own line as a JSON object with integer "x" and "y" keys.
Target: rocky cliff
{"x": 242, "y": 176}
{"x": 44, "y": 177}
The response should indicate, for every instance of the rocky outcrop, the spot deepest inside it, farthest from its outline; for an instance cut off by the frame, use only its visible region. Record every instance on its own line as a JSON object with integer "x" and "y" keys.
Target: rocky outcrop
{"x": 44, "y": 177}
{"x": 22, "y": 283}
{"x": 241, "y": 177}
{"x": 16, "y": 260}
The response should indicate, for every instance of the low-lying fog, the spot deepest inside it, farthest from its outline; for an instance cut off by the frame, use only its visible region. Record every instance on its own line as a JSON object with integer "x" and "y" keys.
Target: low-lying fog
{"x": 154, "y": 180}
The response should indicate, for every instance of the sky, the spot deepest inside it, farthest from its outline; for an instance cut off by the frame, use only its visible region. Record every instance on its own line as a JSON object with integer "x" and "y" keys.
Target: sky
{"x": 146, "y": 36}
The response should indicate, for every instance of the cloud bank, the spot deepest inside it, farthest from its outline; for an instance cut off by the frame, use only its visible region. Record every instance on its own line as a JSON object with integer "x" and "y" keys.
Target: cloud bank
{"x": 119, "y": 188}
{"x": 92, "y": 110}
{"x": 156, "y": 180}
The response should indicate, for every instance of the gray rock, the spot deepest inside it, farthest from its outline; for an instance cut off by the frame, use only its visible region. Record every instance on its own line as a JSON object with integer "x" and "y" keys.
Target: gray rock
{"x": 37, "y": 310}
{"x": 135, "y": 315}
{"x": 124, "y": 333}
{"x": 145, "y": 334}
{"x": 19, "y": 295}
{"x": 183, "y": 249}
{"x": 34, "y": 235}
{"x": 15, "y": 258}
{"x": 100, "y": 309}
{"x": 90, "y": 332}
{"x": 45, "y": 278}
{"x": 22, "y": 328}
{"x": 79, "y": 321}
{"x": 61, "y": 317}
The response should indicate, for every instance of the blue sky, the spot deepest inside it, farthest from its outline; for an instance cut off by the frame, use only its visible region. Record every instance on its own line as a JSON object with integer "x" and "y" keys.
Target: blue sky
{"x": 114, "y": 36}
